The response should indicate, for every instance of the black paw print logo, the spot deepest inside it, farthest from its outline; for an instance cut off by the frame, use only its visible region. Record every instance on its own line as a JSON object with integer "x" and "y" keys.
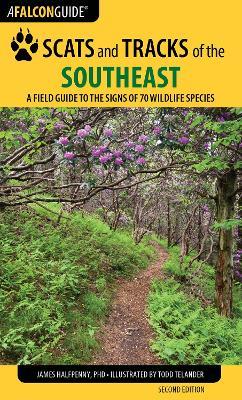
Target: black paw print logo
{"x": 24, "y": 46}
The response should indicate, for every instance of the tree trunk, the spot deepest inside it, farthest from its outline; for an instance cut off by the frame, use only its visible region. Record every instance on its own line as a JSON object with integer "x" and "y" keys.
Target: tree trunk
{"x": 168, "y": 223}
{"x": 225, "y": 187}
{"x": 199, "y": 232}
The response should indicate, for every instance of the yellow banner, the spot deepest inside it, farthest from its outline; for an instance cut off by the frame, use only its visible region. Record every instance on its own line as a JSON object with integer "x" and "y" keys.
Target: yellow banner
{"x": 226, "y": 388}
{"x": 179, "y": 53}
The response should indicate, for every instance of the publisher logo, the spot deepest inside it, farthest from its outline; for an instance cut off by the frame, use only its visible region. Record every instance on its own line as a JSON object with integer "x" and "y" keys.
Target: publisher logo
{"x": 49, "y": 10}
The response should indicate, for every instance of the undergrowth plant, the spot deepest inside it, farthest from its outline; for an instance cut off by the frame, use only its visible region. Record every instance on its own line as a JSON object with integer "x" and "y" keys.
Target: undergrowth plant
{"x": 187, "y": 329}
{"x": 55, "y": 284}
{"x": 187, "y": 333}
{"x": 199, "y": 276}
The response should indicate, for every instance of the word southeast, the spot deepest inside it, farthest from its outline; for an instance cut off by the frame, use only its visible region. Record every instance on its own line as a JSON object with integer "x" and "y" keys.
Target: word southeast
{"x": 116, "y": 77}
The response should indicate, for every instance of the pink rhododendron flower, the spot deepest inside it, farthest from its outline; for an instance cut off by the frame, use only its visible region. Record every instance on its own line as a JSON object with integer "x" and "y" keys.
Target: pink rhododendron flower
{"x": 82, "y": 133}
{"x": 69, "y": 155}
{"x": 129, "y": 156}
{"x": 96, "y": 152}
{"x": 157, "y": 130}
{"x": 109, "y": 156}
{"x": 143, "y": 138}
{"x": 139, "y": 148}
{"x": 88, "y": 128}
{"x": 63, "y": 140}
{"x": 117, "y": 153}
{"x": 140, "y": 161}
{"x": 103, "y": 148}
{"x": 184, "y": 140}
{"x": 108, "y": 132}
{"x": 221, "y": 119}
{"x": 130, "y": 145}
{"x": 22, "y": 125}
{"x": 118, "y": 161}
{"x": 103, "y": 159}
{"x": 59, "y": 125}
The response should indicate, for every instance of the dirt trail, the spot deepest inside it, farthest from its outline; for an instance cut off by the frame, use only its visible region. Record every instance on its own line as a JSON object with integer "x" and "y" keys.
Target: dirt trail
{"x": 126, "y": 335}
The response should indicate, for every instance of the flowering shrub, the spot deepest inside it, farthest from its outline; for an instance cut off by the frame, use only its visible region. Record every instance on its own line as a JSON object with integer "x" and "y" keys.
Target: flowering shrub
{"x": 102, "y": 149}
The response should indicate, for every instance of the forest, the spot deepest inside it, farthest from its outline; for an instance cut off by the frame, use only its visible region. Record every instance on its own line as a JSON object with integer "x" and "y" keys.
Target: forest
{"x": 120, "y": 235}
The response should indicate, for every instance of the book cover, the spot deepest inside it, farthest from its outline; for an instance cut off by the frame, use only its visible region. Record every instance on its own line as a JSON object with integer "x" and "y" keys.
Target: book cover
{"x": 120, "y": 199}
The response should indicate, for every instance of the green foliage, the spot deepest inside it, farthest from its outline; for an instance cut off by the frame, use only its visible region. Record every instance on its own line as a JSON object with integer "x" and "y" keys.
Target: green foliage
{"x": 237, "y": 111}
{"x": 210, "y": 163}
{"x": 228, "y": 224}
{"x": 201, "y": 276}
{"x": 188, "y": 334}
{"x": 55, "y": 284}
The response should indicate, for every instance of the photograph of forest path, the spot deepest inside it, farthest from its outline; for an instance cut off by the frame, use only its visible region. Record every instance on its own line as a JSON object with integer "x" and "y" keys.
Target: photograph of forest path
{"x": 127, "y": 333}
{"x": 120, "y": 236}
